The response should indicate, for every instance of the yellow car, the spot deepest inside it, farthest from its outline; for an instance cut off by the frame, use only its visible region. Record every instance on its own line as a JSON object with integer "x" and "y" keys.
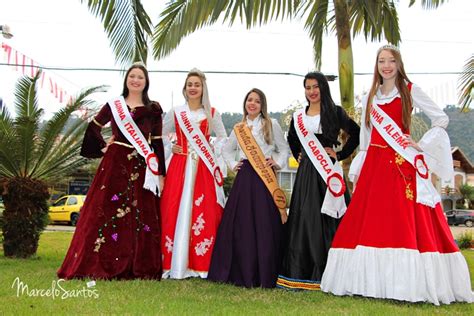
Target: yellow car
{"x": 66, "y": 209}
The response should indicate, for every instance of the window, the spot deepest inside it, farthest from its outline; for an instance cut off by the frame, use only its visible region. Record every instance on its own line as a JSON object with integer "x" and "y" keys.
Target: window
{"x": 60, "y": 202}
{"x": 72, "y": 200}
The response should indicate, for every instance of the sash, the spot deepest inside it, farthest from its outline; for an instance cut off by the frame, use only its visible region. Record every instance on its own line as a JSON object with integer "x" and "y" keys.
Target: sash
{"x": 390, "y": 131}
{"x": 201, "y": 146}
{"x": 256, "y": 158}
{"x": 132, "y": 133}
{"x": 334, "y": 204}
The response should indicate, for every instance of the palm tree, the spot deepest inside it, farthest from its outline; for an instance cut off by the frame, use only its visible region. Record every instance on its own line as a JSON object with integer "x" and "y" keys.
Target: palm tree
{"x": 466, "y": 84}
{"x": 32, "y": 156}
{"x": 127, "y": 25}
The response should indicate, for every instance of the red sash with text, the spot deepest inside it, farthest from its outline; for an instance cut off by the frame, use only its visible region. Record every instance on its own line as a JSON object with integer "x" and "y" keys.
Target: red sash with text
{"x": 201, "y": 146}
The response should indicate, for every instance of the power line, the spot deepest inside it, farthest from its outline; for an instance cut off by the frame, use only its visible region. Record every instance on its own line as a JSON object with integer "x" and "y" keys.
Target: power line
{"x": 215, "y": 71}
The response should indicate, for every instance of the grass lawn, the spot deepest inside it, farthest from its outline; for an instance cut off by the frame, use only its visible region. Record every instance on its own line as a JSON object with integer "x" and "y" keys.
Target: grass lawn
{"x": 171, "y": 297}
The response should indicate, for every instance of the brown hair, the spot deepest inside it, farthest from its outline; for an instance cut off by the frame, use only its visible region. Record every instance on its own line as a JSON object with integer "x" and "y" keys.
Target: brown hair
{"x": 125, "y": 92}
{"x": 266, "y": 120}
{"x": 400, "y": 83}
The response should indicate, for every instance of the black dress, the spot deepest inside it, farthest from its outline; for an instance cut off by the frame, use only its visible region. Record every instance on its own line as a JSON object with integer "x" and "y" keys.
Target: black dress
{"x": 308, "y": 233}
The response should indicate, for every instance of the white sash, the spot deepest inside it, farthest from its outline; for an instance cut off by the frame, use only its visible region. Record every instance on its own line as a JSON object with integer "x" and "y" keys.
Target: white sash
{"x": 132, "y": 133}
{"x": 334, "y": 204}
{"x": 198, "y": 142}
{"x": 390, "y": 131}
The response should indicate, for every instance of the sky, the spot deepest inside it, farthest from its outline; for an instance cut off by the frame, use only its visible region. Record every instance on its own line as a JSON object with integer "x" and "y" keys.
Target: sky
{"x": 63, "y": 34}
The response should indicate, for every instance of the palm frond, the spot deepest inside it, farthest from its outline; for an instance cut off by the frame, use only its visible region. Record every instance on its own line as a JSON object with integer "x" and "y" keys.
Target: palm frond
{"x": 316, "y": 24}
{"x": 180, "y": 18}
{"x": 429, "y": 4}
{"x": 466, "y": 84}
{"x": 27, "y": 120}
{"x": 55, "y": 127}
{"x": 127, "y": 25}
{"x": 376, "y": 20}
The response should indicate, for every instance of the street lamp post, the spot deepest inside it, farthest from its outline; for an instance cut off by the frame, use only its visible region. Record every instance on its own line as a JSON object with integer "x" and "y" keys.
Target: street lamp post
{"x": 5, "y": 29}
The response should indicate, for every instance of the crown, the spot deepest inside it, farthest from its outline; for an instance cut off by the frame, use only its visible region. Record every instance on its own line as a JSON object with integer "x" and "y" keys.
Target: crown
{"x": 388, "y": 46}
{"x": 139, "y": 63}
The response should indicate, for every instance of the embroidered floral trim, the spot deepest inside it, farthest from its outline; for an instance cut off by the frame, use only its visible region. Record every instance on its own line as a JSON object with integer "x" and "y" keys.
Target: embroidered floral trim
{"x": 168, "y": 244}
{"x": 127, "y": 203}
{"x": 198, "y": 226}
{"x": 409, "y": 192}
{"x": 203, "y": 247}
{"x": 199, "y": 200}
{"x": 399, "y": 160}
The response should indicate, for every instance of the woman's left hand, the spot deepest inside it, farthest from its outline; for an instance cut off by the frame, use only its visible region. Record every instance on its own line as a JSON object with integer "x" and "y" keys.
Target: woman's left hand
{"x": 409, "y": 142}
{"x": 272, "y": 163}
{"x": 161, "y": 179}
{"x": 331, "y": 152}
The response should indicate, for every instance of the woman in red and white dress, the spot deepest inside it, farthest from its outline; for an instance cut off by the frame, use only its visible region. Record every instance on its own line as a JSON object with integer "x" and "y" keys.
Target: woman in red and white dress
{"x": 394, "y": 241}
{"x": 192, "y": 199}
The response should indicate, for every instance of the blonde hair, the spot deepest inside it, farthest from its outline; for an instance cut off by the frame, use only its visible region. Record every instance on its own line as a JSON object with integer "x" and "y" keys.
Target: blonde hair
{"x": 266, "y": 120}
{"x": 400, "y": 82}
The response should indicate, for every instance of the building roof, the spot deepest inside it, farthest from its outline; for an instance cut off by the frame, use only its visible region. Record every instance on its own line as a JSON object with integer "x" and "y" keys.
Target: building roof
{"x": 466, "y": 164}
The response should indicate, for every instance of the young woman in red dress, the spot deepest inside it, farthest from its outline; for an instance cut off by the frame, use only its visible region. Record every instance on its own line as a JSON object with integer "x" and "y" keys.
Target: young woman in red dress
{"x": 394, "y": 241}
{"x": 193, "y": 199}
{"x": 118, "y": 233}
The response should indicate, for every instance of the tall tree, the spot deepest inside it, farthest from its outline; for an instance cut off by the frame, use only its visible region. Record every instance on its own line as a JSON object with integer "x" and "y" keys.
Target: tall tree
{"x": 31, "y": 156}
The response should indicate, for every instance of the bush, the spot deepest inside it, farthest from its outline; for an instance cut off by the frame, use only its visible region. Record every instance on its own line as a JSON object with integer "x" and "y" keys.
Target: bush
{"x": 25, "y": 216}
{"x": 465, "y": 240}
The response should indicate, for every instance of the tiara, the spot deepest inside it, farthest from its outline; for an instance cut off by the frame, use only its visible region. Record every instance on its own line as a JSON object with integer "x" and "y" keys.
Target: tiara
{"x": 139, "y": 63}
{"x": 388, "y": 46}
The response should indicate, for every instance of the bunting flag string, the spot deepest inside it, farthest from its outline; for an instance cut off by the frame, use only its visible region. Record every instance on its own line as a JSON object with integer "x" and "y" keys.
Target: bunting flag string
{"x": 27, "y": 66}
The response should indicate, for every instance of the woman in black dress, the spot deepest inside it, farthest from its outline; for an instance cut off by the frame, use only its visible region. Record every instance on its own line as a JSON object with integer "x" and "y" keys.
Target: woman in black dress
{"x": 309, "y": 232}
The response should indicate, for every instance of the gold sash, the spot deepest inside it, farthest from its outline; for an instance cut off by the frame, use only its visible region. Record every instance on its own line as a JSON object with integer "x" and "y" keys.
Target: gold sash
{"x": 257, "y": 160}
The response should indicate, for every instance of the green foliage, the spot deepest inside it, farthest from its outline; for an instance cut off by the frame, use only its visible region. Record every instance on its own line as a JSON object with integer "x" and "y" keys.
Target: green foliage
{"x": 465, "y": 240}
{"x": 466, "y": 84}
{"x": 30, "y": 155}
{"x": 25, "y": 216}
{"x": 467, "y": 193}
{"x": 230, "y": 119}
{"x": 228, "y": 182}
{"x": 127, "y": 25}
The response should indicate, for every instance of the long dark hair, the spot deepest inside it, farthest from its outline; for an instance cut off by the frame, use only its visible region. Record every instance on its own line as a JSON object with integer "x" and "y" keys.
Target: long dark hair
{"x": 266, "y": 120}
{"x": 125, "y": 92}
{"x": 329, "y": 122}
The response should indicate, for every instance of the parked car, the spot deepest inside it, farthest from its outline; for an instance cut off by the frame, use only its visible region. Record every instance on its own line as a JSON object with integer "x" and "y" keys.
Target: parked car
{"x": 459, "y": 217}
{"x": 67, "y": 209}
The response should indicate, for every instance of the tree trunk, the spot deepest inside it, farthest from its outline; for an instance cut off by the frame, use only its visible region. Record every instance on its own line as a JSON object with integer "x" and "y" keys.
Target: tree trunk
{"x": 25, "y": 216}
{"x": 346, "y": 65}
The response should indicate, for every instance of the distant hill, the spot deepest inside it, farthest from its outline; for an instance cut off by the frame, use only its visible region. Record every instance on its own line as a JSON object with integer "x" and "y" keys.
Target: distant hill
{"x": 460, "y": 128}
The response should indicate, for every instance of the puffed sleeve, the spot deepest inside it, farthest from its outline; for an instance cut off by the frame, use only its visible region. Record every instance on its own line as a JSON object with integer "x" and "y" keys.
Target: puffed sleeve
{"x": 230, "y": 151}
{"x": 282, "y": 151}
{"x": 93, "y": 141}
{"x": 364, "y": 139}
{"x": 157, "y": 137}
{"x": 168, "y": 127}
{"x": 353, "y": 131}
{"x": 293, "y": 140}
{"x": 435, "y": 142}
{"x": 220, "y": 141}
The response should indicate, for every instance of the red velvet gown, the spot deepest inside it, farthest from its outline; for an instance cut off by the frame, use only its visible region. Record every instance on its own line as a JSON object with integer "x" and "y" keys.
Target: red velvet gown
{"x": 118, "y": 233}
{"x": 196, "y": 233}
{"x": 388, "y": 245}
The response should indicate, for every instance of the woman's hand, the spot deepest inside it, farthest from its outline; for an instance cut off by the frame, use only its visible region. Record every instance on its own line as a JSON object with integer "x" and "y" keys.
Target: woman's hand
{"x": 283, "y": 216}
{"x": 238, "y": 166}
{"x": 272, "y": 163}
{"x": 409, "y": 142}
{"x": 331, "y": 152}
{"x": 176, "y": 149}
{"x": 109, "y": 142}
{"x": 162, "y": 183}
